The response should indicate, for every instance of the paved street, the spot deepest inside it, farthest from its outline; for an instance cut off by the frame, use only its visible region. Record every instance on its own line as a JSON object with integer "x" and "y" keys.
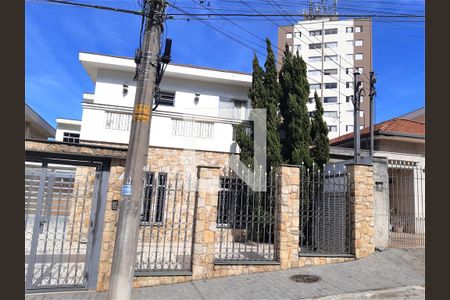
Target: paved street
{"x": 391, "y": 274}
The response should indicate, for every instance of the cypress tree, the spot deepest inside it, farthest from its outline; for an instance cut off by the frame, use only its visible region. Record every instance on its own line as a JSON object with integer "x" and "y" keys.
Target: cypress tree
{"x": 272, "y": 93}
{"x": 293, "y": 98}
{"x": 320, "y": 151}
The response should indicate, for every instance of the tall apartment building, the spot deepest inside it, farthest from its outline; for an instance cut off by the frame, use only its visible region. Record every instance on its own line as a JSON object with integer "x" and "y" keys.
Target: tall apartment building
{"x": 347, "y": 46}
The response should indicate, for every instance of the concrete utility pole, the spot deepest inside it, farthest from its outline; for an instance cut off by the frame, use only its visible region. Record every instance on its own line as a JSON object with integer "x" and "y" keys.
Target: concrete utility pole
{"x": 372, "y": 93}
{"x": 125, "y": 248}
{"x": 356, "y": 109}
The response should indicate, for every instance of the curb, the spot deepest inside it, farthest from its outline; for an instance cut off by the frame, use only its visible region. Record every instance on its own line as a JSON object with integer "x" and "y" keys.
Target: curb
{"x": 416, "y": 291}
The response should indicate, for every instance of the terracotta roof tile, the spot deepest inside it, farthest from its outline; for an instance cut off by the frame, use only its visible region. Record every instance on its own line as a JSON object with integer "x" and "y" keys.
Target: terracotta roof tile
{"x": 398, "y": 125}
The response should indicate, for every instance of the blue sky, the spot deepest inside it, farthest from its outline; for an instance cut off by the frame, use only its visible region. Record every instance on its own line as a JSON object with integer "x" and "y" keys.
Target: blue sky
{"x": 54, "y": 34}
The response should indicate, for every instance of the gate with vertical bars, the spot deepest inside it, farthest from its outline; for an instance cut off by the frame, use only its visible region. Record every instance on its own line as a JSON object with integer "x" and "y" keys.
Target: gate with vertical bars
{"x": 60, "y": 206}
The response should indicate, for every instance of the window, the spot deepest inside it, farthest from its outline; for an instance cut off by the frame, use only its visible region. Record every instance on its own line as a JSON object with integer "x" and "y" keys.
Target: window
{"x": 361, "y": 113}
{"x": 290, "y": 48}
{"x": 330, "y": 114}
{"x": 358, "y": 56}
{"x": 315, "y": 46}
{"x": 70, "y": 137}
{"x": 332, "y": 128}
{"x": 349, "y": 29}
{"x": 298, "y": 34}
{"x": 348, "y": 98}
{"x": 349, "y": 71}
{"x": 298, "y": 48}
{"x": 331, "y": 44}
{"x": 349, "y": 43}
{"x": 330, "y": 71}
{"x": 349, "y": 128}
{"x": 289, "y": 35}
{"x": 359, "y": 70}
{"x": 331, "y": 85}
{"x": 313, "y": 59}
{"x": 311, "y": 99}
{"x": 348, "y": 85}
{"x": 330, "y": 58}
{"x": 167, "y": 98}
{"x": 193, "y": 129}
{"x": 331, "y": 31}
{"x": 315, "y": 32}
{"x": 151, "y": 213}
{"x": 314, "y": 86}
{"x": 358, "y": 43}
{"x": 361, "y": 99}
{"x": 358, "y": 29}
{"x": 329, "y": 99}
{"x": 314, "y": 72}
{"x": 118, "y": 121}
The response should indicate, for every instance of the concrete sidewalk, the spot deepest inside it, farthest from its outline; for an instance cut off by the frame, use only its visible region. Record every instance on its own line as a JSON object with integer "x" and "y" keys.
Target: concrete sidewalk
{"x": 391, "y": 274}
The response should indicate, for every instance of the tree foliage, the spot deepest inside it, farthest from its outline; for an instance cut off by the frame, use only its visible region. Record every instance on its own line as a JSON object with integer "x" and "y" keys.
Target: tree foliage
{"x": 320, "y": 151}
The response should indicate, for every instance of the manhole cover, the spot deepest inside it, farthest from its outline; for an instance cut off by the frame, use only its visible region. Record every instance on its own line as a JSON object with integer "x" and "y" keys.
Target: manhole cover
{"x": 305, "y": 278}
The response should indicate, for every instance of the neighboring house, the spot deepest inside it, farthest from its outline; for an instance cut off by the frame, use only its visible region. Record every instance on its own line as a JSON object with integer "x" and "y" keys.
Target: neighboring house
{"x": 416, "y": 115}
{"x": 36, "y": 127}
{"x": 347, "y": 47}
{"x": 197, "y": 111}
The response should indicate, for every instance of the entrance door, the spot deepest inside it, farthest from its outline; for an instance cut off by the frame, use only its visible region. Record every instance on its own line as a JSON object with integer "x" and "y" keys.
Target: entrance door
{"x": 60, "y": 205}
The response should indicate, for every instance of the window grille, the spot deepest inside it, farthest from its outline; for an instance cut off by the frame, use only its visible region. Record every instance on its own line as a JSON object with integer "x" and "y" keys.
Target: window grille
{"x": 193, "y": 129}
{"x": 118, "y": 121}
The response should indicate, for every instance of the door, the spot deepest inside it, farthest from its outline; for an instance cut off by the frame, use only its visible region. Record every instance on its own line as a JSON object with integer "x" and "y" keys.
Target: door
{"x": 60, "y": 205}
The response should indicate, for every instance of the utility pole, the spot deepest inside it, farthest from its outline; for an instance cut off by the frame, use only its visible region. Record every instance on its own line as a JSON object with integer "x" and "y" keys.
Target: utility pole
{"x": 372, "y": 93}
{"x": 125, "y": 248}
{"x": 356, "y": 110}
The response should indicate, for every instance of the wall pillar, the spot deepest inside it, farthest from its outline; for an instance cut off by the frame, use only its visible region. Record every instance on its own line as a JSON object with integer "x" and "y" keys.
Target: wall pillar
{"x": 205, "y": 222}
{"x": 381, "y": 204}
{"x": 362, "y": 200}
{"x": 287, "y": 218}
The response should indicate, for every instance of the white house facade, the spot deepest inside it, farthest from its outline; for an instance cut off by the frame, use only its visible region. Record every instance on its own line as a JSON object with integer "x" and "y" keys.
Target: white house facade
{"x": 197, "y": 110}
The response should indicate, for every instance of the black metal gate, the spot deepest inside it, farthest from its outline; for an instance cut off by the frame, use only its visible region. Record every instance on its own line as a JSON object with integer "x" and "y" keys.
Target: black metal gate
{"x": 167, "y": 220}
{"x": 60, "y": 206}
{"x": 246, "y": 221}
{"x": 406, "y": 204}
{"x": 325, "y": 211}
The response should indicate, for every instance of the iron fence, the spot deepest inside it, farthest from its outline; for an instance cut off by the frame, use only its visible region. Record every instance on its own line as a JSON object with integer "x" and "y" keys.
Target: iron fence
{"x": 246, "y": 221}
{"x": 325, "y": 211}
{"x": 166, "y": 231}
{"x": 407, "y": 204}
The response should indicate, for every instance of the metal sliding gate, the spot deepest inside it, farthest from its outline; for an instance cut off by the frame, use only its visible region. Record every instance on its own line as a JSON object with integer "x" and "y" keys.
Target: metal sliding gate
{"x": 407, "y": 204}
{"x": 167, "y": 220}
{"x": 246, "y": 221}
{"x": 325, "y": 211}
{"x": 60, "y": 207}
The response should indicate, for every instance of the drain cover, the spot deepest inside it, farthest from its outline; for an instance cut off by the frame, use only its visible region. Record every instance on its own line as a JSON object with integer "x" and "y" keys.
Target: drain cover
{"x": 305, "y": 278}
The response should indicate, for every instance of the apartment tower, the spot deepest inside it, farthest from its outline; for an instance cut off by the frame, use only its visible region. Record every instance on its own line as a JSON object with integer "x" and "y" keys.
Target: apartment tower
{"x": 333, "y": 49}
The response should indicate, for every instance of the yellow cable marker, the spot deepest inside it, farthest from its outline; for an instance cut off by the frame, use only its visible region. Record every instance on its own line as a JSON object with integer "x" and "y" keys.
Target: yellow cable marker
{"x": 142, "y": 112}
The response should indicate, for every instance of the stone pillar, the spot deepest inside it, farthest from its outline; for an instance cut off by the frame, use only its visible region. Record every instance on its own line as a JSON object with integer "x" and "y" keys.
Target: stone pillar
{"x": 205, "y": 222}
{"x": 381, "y": 204}
{"x": 287, "y": 218}
{"x": 362, "y": 200}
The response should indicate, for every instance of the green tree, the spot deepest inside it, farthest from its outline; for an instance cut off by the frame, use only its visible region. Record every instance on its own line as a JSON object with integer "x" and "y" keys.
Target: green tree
{"x": 293, "y": 97}
{"x": 271, "y": 98}
{"x": 320, "y": 151}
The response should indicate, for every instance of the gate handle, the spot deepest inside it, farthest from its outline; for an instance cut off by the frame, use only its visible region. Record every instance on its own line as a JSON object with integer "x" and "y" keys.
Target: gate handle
{"x": 41, "y": 223}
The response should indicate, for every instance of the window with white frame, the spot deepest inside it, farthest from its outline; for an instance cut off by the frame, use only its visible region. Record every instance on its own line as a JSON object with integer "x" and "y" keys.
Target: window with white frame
{"x": 315, "y": 32}
{"x": 331, "y": 44}
{"x": 332, "y": 128}
{"x": 71, "y": 137}
{"x": 330, "y": 114}
{"x": 358, "y": 29}
{"x": 298, "y": 34}
{"x": 349, "y": 128}
{"x": 289, "y": 35}
{"x": 118, "y": 121}
{"x": 330, "y": 99}
{"x": 349, "y": 71}
{"x": 313, "y": 59}
{"x": 314, "y": 86}
{"x": 348, "y": 85}
{"x": 331, "y": 31}
{"x": 330, "y": 58}
{"x": 314, "y": 72}
{"x": 330, "y": 71}
{"x": 315, "y": 46}
{"x": 331, "y": 85}
{"x": 348, "y": 98}
{"x": 152, "y": 211}
{"x": 358, "y": 43}
{"x": 359, "y": 56}
{"x": 298, "y": 48}
{"x": 349, "y": 29}
{"x": 359, "y": 70}
{"x": 290, "y": 48}
{"x": 193, "y": 129}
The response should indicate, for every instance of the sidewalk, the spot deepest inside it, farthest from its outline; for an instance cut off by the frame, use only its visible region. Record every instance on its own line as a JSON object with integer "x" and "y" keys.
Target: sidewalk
{"x": 391, "y": 274}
